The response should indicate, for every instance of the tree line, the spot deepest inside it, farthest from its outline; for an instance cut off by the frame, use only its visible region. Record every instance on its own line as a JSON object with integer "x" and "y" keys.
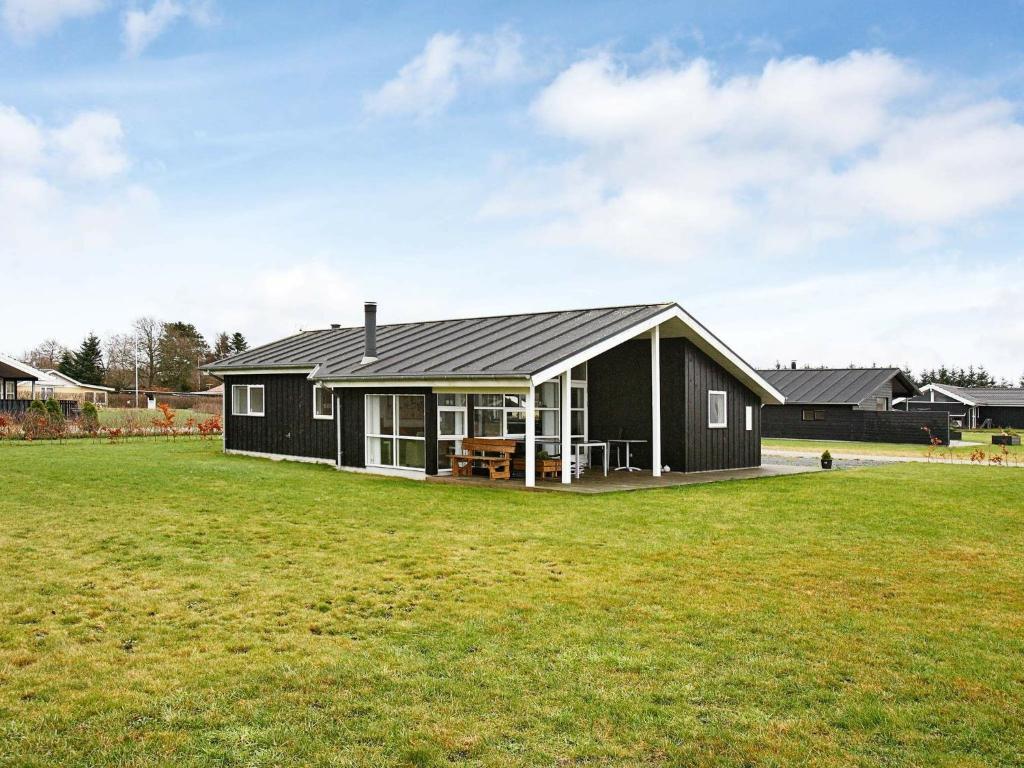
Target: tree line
{"x": 169, "y": 355}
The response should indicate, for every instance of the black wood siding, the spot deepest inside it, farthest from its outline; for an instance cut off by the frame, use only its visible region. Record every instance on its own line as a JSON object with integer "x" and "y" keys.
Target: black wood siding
{"x": 619, "y": 390}
{"x": 731, "y": 447}
{"x": 287, "y": 427}
{"x": 352, "y": 411}
{"x": 1002, "y": 416}
{"x": 843, "y": 422}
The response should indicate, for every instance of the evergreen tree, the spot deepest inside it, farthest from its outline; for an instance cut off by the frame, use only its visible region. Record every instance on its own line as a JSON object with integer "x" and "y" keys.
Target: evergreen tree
{"x": 238, "y": 343}
{"x": 68, "y": 364}
{"x": 88, "y": 361}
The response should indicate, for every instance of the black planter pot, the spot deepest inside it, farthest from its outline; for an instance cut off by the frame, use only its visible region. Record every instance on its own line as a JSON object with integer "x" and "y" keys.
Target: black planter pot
{"x": 826, "y": 463}
{"x": 1005, "y": 439}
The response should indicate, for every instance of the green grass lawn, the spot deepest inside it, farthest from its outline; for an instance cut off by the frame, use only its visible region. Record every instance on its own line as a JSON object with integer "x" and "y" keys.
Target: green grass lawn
{"x": 118, "y": 417}
{"x": 898, "y": 449}
{"x": 163, "y": 604}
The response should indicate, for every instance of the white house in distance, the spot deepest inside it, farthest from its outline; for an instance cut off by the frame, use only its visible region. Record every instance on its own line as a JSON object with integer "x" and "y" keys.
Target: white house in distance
{"x": 52, "y": 383}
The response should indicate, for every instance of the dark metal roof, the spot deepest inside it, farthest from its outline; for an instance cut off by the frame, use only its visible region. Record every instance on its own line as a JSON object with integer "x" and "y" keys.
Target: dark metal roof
{"x": 507, "y": 345}
{"x": 1010, "y": 397}
{"x": 836, "y": 386}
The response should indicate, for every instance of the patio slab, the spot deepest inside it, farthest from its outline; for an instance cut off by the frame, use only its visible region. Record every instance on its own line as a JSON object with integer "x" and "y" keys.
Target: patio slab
{"x": 594, "y": 481}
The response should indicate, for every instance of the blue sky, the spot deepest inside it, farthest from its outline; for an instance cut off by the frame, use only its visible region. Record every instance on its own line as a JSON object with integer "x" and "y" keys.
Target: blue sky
{"x": 829, "y": 182}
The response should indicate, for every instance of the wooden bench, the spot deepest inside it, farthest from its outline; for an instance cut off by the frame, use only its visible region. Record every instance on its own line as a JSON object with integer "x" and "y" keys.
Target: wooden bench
{"x": 491, "y": 452}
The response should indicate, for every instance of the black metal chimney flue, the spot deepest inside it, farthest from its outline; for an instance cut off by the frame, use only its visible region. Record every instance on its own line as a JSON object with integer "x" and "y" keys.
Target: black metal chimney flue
{"x": 792, "y": 365}
{"x": 370, "y": 347}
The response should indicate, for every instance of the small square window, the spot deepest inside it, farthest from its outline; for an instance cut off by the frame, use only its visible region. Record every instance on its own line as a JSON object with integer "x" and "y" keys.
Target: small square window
{"x": 323, "y": 402}
{"x": 247, "y": 399}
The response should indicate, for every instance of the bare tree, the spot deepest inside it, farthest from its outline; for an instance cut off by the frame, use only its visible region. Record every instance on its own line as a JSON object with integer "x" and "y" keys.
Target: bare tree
{"x": 46, "y": 355}
{"x": 148, "y": 331}
{"x": 120, "y": 351}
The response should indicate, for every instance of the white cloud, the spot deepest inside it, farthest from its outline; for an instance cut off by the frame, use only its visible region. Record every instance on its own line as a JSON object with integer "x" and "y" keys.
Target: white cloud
{"x": 674, "y": 162}
{"x": 21, "y": 141}
{"x": 90, "y": 146}
{"x": 922, "y": 314}
{"x": 430, "y": 82}
{"x": 50, "y": 207}
{"x": 142, "y": 27}
{"x": 29, "y": 19}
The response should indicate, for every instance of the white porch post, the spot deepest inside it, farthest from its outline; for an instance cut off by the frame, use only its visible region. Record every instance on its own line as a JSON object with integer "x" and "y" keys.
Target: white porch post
{"x": 531, "y": 439}
{"x": 656, "y": 401}
{"x": 566, "y": 431}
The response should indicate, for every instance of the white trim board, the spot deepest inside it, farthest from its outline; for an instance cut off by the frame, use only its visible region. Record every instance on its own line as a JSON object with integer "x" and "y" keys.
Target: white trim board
{"x": 940, "y": 389}
{"x": 405, "y": 474}
{"x": 697, "y": 333}
{"x": 279, "y": 457}
{"x": 222, "y": 372}
{"x": 446, "y": 386}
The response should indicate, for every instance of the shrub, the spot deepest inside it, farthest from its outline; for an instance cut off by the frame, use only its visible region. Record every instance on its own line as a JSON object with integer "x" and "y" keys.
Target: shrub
{"x": 90, "y": 419}
{"x": 53, "y": 412}
{"x": 826, "y": 456}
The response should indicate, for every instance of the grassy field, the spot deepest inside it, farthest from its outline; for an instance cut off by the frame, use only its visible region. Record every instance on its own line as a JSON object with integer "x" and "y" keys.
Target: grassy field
{"x": 163, "y": 604}
{"x": 117, "y": 417}
{"x": 984, "y": 438}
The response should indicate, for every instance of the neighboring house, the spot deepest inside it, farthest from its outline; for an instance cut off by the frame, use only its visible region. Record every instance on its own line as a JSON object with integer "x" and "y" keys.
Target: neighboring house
{"x": 13, "y": 375}
{"x": 971, "y": 407}
{"x": 53, "y": 383}
{"x": 399, "y": 399}
{"x": 847, "y": 404}
{"x": 20, "y": 383}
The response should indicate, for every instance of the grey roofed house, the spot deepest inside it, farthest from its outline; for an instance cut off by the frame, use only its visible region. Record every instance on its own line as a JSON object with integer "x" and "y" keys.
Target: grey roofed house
{"x": 839, "y": 386}
{"x": 971, "y": 406}
{"x": 522, "y": 345}
{"x": 651, "y": 373}
{"x": 852, "y": 404}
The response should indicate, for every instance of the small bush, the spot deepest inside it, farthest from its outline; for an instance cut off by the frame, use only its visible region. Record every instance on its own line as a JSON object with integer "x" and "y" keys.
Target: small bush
{"x": 90, "y": 419}
{"x": 53, "y": 412}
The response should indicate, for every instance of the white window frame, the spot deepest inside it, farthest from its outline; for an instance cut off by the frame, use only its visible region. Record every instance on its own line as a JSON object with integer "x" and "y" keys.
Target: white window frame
{"x": 443, "y": 437}
{"x": 394, "y": 438}
{"x": 748, "y": 415}
{"x": 316, "y": 413}
{"x": 248, "y": 399}
{"x": 725, "y": 409}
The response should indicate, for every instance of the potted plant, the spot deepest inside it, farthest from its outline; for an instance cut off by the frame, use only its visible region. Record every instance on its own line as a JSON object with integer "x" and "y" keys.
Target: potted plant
{"x": 826, "y": 460}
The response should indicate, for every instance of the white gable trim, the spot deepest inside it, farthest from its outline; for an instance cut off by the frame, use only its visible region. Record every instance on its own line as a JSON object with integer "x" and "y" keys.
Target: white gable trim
{"x": 942, "y": 391}
{"x": 707, "y": 340}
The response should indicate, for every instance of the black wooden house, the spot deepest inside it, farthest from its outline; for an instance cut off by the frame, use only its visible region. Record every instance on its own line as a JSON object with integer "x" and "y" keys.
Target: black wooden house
{"x": 399, "y": 398}
{"x": 971, "y": 407}
{"x": 853, "y": 404}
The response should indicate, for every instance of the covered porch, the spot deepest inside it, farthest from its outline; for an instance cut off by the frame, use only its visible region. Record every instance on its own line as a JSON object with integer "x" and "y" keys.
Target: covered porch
{"x": 13, "y": 373}
{"x": 650, "y": 402}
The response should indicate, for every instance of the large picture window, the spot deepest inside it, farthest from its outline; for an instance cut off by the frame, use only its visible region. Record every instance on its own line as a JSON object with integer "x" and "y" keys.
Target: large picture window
{"x": 717, "y": 410}
{"x": 323, "y": 402}
{"x": 396, "y": 431}
{"x": 505, "y": 415}
{"x": 247, "y": 399}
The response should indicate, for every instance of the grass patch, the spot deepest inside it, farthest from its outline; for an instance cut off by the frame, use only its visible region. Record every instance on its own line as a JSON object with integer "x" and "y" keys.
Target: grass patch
{"x": 896, "y": 449}
{"x": 164, "y": 604}
{"x": 119, "y": 417}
